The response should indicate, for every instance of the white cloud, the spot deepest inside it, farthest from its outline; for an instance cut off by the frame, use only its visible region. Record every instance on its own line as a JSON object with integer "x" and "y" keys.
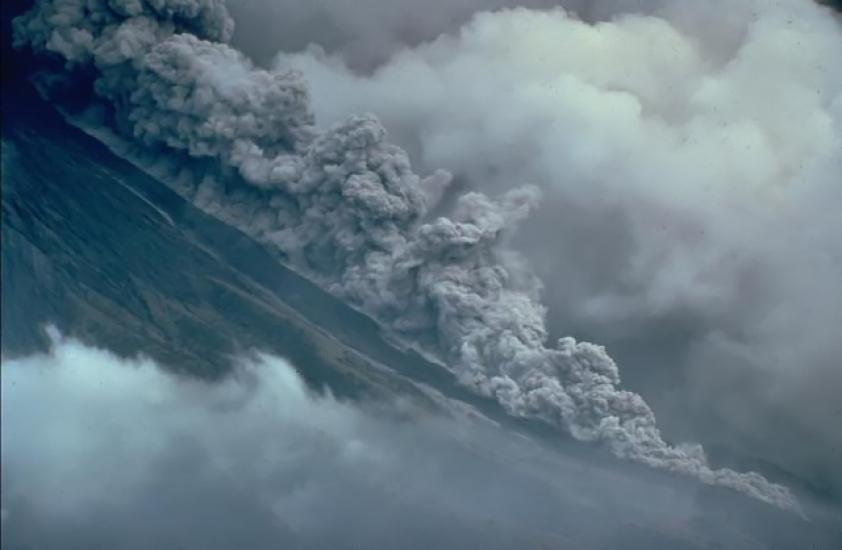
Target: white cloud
{"x": 98, "y": 450}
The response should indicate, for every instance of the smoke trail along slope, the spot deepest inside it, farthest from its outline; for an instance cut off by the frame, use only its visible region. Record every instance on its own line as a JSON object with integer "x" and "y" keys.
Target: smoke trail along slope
{"x": 346, "y": 205}
{"x": 697, "y": 267}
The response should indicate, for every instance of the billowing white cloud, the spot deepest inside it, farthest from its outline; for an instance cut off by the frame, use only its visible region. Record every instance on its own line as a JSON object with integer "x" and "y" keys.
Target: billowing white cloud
{"x": 99, "y": 451}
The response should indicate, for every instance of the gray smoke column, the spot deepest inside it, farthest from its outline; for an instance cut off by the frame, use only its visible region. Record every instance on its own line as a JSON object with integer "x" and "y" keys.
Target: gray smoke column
{"x": 347, "y": 208}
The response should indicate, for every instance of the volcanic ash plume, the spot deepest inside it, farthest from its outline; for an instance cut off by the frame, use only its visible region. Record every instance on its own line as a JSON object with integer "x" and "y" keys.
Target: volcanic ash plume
{"x": 346, "y": 207}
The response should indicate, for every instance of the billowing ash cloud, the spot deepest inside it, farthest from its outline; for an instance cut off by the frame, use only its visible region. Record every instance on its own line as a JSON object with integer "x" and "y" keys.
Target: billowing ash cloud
{"x": 689, "y": 163}
{"x": 346, "y": 207}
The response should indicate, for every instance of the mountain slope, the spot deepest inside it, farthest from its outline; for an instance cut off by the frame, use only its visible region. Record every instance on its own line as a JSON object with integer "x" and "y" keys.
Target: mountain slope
{"x": 109, "y": 255}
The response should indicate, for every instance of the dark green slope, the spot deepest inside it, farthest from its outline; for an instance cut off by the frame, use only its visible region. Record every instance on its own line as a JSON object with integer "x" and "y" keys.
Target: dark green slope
{"x": 84, "y": 248}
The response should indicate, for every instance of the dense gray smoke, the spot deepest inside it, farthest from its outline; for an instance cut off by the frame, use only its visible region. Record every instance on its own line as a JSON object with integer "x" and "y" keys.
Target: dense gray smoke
{"x": 345, "y": 206}
{"x": 689, "y": 162}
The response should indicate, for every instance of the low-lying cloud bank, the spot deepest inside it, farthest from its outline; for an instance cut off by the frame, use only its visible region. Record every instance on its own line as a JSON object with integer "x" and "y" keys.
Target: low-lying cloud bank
{"x": 101, "y": 452}
{"x": 345, "y": 206}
